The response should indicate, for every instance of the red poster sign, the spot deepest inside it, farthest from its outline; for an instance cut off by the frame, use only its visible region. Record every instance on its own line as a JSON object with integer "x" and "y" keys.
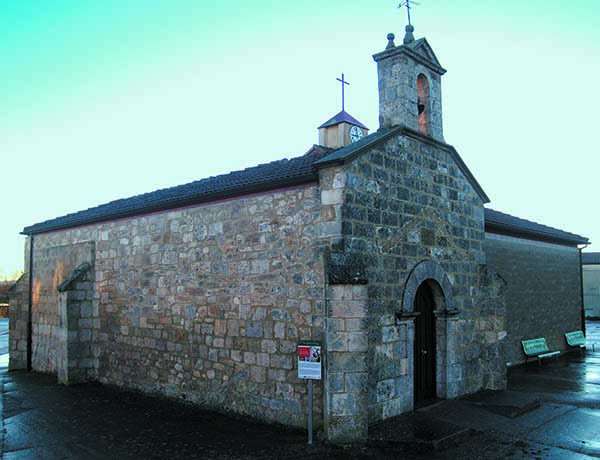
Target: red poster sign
{"x": 309, "y": 361}
{"x": 303, "y": 352}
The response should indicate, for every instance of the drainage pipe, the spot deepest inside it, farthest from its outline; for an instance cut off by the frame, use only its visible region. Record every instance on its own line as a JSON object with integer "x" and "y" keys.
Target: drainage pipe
{"x": 581, "y": 281}
{"x": 30, "y": 307}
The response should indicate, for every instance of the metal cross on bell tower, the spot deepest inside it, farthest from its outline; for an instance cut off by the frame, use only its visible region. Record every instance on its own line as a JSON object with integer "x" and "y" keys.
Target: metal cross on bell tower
{"x": 344, "y": 84}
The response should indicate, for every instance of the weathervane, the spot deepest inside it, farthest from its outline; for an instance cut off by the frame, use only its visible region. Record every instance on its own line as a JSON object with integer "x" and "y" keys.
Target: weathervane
{"x": 409, "y": 37}
{"x": 344, "y": 83}
{"x": 407, "y": 4}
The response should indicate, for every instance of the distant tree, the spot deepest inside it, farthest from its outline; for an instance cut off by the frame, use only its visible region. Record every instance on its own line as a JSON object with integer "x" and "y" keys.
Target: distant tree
{"x": 10, "y": 277}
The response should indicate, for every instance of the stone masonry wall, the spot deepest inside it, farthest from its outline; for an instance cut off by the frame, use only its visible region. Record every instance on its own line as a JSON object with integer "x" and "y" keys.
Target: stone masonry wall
{"x": 51, "y": 265}
{"x": 77, "y": 359}
{"x": 543, "y": 290}
{"x": 207, "y": 303}
{"x": 398, "y": 75}
{"x": 17, "y": 324}
{"x": 406, "y": 202}
{"x": 347, "y": 367}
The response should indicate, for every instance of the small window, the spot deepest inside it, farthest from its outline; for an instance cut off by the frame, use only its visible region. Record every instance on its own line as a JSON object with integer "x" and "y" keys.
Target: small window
{"x": 423, "y": 104}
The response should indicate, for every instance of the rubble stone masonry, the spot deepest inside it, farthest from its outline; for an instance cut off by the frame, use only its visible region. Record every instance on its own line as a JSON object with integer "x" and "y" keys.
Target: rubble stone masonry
{"x": 208, "y": 303}
{"x": 204, "y": 303}
{"x": 407, "y": 202}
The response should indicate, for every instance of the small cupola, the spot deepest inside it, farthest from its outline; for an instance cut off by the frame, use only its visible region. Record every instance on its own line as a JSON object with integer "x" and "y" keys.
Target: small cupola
{"x": 343, "y": 129}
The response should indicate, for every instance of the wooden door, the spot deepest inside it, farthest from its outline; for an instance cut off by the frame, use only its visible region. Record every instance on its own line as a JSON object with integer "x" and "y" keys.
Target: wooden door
{"x": 425, "y": 347}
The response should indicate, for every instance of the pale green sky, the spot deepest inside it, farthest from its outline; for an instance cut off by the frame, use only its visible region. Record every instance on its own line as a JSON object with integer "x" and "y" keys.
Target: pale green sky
{"x": 103, "y": 100}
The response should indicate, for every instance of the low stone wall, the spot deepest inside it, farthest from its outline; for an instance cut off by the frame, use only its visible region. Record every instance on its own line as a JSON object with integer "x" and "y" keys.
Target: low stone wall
{"x": 543, "y": 290}
{"x": 17, "y": 324}
{"x": 5, "y": 287}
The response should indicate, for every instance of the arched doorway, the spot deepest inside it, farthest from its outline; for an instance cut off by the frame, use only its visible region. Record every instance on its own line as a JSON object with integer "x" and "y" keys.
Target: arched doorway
{"x": 435, "y": 298}
{"x": 425, "y": 347}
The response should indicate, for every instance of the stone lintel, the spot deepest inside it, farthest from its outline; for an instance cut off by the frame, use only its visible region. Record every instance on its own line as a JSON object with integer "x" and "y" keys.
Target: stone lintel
{"x": 76, "y": 275}
{"x": 407, "y": 316}
{"x": 447, "y": 313}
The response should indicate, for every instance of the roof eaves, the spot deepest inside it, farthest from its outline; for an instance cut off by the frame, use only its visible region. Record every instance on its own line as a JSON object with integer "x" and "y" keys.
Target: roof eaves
{"x": 256, "y": 179}
{"x": 168, "y": 204}
{"x": 506, "y": 224}
{"x": 533, "y": 235}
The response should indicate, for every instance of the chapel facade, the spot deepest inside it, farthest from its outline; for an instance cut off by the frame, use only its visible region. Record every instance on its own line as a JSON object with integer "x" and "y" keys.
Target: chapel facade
{"x": 375, "y": 245}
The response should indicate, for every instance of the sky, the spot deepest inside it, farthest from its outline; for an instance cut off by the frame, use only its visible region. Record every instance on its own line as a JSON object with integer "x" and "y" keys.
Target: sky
{"x": 105, "y": 100}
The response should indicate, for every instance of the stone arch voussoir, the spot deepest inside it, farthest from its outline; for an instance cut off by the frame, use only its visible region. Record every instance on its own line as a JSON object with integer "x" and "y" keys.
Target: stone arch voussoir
{"x": 423, "y": 271}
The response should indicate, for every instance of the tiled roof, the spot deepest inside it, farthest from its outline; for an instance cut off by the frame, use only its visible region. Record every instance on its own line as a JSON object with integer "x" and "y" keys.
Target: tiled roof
{"x": 342, "y": 117}
{"x": 283, "y": 173}
{"x": 590, "y": 258}
{"x": 499, "y": 222}
{"x": 258, "y": 178}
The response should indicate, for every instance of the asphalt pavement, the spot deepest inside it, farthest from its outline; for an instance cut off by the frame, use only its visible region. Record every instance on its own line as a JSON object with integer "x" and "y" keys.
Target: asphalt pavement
{"x": 548, "y": 412}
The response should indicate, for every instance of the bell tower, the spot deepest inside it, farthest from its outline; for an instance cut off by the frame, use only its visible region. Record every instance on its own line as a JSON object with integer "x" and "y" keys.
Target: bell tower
{"x": 410, "y": 90}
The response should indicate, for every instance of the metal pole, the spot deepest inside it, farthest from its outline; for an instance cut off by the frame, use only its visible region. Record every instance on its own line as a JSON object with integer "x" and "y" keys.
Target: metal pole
{"x": 30, "y": 308}
{"x": 582, "y": 299}
{"x": 310, "y": 412}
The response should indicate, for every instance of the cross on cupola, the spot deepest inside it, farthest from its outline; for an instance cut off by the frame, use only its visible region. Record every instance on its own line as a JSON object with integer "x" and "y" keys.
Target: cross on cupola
{"x": 344, "y": 84}
{"x": 342, "y": 129}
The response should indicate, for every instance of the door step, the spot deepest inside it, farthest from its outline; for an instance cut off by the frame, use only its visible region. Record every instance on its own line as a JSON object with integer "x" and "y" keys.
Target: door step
{"x": 511, "y": 404}
{"x": 418, "y": 433}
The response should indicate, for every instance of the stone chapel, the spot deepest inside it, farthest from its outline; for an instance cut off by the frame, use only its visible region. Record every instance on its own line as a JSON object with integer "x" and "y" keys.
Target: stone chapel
{"x": 378, "y": 245}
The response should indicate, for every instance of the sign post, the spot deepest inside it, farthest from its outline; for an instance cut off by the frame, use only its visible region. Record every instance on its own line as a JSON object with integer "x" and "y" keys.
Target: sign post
{"x": 309, "y": 368}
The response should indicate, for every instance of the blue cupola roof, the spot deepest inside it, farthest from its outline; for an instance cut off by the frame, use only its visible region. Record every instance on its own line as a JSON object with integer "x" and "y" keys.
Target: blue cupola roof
{"x": 343, "y": 117}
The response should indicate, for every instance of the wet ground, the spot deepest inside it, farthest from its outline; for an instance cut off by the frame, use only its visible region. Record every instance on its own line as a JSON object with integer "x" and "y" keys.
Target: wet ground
{"x": 593, "y": 335}
{"x": 3, "y": 336}
{"x": 552, "y": 411}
